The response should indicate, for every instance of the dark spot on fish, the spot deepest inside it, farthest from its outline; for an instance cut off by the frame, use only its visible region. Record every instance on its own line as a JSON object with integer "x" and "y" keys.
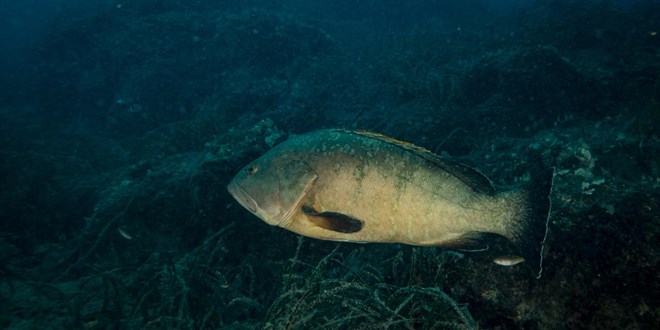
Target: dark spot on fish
{"x": 359, "y": 172}
{"x": 334, "y": 221}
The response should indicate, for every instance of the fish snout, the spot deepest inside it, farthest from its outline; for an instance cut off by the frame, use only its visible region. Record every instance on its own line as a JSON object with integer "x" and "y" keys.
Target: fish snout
{"x": 242, "y": 197}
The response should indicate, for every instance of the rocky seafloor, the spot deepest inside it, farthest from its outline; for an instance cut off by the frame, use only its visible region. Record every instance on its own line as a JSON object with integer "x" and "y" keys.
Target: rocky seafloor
{"x": 116, "y": 154}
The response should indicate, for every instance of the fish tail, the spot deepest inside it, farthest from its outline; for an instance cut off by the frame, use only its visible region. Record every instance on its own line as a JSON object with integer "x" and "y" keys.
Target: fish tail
{"x": 530, "y": 231}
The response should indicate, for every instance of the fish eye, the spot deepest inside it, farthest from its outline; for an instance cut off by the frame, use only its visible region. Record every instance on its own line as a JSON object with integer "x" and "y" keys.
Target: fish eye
{"x": 252, "y": 169}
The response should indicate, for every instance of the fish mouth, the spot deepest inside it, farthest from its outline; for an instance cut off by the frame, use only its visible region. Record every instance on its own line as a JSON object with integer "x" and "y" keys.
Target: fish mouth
{"x": 242, "y": 197}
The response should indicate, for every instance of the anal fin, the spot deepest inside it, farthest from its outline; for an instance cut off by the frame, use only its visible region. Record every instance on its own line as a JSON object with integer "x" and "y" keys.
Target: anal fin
{"x": 472, "y": 241}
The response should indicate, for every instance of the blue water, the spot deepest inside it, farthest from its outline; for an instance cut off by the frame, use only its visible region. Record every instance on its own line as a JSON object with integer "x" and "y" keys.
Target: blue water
{"x": 122, "y": 122}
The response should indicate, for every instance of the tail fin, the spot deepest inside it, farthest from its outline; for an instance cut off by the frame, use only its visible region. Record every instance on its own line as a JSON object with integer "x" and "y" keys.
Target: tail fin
{"x": 531, "y": 231}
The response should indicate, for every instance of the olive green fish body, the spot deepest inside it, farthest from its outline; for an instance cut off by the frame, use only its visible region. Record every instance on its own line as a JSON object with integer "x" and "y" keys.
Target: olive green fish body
{"x": 364, "y": 187}
{"x": 399, "y": 196}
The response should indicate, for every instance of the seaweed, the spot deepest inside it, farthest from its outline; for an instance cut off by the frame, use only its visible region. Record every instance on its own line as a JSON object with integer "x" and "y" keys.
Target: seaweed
{"x": 338, "y": 293}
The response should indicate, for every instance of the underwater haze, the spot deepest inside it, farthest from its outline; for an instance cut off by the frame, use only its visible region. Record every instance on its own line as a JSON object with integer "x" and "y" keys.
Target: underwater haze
{"x": 123, "y": 122}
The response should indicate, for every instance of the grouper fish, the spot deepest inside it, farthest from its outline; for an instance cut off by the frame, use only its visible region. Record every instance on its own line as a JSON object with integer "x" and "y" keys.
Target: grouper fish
{"x": 358, "y": 186}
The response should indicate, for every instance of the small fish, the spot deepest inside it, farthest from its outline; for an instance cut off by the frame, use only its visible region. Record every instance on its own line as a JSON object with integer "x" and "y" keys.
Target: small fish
{"x": 359, "y": 186}
{"x": 123, "y": 233}
{"x": 508, "y": 260}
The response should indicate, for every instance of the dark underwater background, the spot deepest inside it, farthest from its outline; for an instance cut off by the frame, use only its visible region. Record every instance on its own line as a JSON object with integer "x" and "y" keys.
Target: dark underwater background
{"x": 121, "y": 123}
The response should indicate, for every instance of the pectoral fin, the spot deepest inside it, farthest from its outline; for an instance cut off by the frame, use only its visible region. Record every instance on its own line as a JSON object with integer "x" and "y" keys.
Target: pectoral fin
{"x": 334, "y": 221}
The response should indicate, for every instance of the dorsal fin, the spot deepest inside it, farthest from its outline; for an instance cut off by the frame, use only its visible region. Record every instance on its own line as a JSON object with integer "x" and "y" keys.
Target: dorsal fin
{"x": 465, "y": 173}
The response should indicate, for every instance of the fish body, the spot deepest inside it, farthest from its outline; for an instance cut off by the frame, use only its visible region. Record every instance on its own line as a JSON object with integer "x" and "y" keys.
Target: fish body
{"x": 508, "y": 260}
{"x": 360, "y": 186}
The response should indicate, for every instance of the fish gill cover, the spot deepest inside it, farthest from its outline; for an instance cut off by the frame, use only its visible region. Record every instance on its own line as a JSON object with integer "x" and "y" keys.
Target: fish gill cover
{"x": 122, "y": 122}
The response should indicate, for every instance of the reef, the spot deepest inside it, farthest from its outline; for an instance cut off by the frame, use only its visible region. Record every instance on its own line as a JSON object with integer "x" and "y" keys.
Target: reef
{"x": 114, "y": 164}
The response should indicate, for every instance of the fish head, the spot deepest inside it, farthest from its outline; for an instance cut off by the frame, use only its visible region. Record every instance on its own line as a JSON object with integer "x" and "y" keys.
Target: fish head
{"x": 273, "y": 188}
